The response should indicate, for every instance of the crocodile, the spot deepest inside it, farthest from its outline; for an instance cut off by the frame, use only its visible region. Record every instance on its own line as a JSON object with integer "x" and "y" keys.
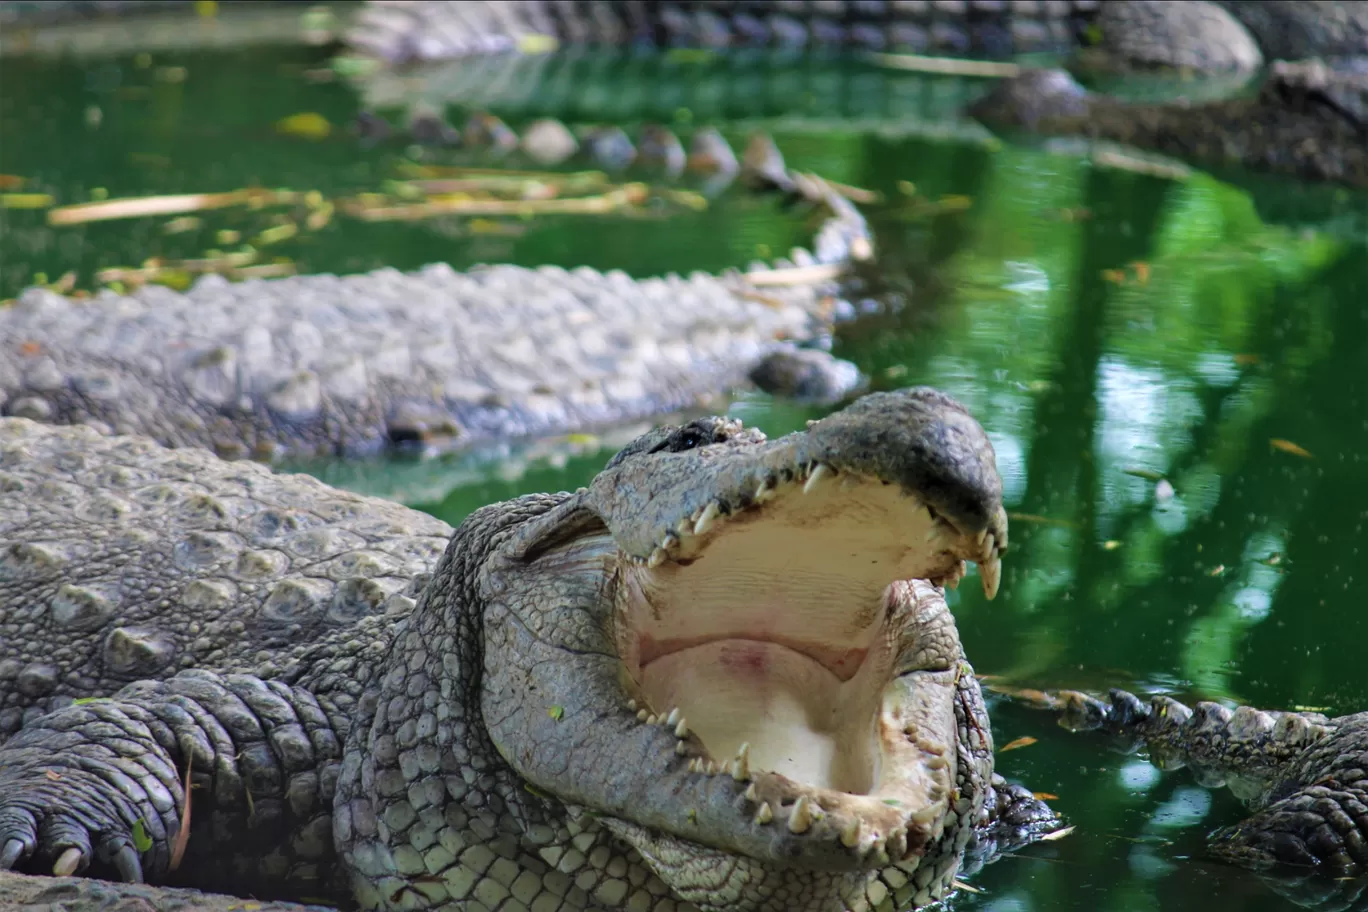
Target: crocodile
{"x": 1304, "y": 776}
{"x": 323, "y": 365}
{"x": 1308, "y": 120}
{"x": 544, "y": 720}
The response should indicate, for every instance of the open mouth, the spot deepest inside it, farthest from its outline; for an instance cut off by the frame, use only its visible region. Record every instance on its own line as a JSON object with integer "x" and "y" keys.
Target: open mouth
{"x": 795, "y": 641}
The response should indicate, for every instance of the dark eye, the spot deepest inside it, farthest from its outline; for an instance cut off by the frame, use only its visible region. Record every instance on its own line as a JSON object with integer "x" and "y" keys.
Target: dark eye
{"x": 690, "y": 439}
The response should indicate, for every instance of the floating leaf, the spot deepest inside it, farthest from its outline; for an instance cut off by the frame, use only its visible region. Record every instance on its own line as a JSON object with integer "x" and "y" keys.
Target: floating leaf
{"x": 305, "y": 125}
{"x": 141, "y": 841}
{"x": 1045, "y": 796}
{"x": 1142, "y": 271}
{"x": 1247, "y": 360}
{"x": 1146, "y": 474}
{"x": 556, "y": 712}
{"x": 1057, "y": 834}
{"x": 961, "y": 885}
{"x": 11, "y": 182}
{"x": 1115, "y": 276}
{"x": 1310, "y": 709}
{"x": 25, "y": 200}
{"x": 1216, "y": 570}
{"x": 1288, "y": 446}
{"x": 1111, "y": 544}
{"x": 1024, "y": 741}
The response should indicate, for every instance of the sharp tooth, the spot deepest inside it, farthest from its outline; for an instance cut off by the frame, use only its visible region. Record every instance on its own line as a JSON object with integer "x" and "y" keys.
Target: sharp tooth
{"x": 933, "y": 533}
{"x": 695, "y": 765}
{"x": 632, "y": 705}
{"x": 673, "y": 718}
{"x": 740, "y": 767}
{"x": 705, "y": 519}
{"x": 928, "y": 815}
{"x": 681, "y": 748}
{"x": 936, "y": 762}
{"x": 800, "y": 820}
{"x": 850, "y": 833}
{"x": 981, "y": 537}
{"x": 682, "y": 729}
{"x": 765, "y": 814}
{"x": 990, "y": 571}
{"x": 652, "y": 719}
{"x": 752, "y": 794}
{"x": 642, "y": 715}
{"x": 684, "y": 527}
{"x": 820, "y": 472}
{"x": 670, "y": 541}
{"x": 897, "y": 844}
{"x": 656, "y": 559}
{"x": 764, "y": 492}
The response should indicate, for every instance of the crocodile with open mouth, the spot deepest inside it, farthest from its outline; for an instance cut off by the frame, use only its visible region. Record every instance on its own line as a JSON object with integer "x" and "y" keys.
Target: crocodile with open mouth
{"x": 722, "y": 676}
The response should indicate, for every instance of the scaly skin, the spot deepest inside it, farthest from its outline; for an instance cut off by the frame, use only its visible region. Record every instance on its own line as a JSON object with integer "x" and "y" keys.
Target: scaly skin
{"x": 1308, "y": 121}
{"x": 1305, "y": 776}
{"x": 121, "y": 560}
{"x": 533, "y": 733}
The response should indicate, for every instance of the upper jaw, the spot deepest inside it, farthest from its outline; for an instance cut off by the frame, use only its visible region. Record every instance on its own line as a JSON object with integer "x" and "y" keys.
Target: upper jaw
{"x": 661, "y": 506}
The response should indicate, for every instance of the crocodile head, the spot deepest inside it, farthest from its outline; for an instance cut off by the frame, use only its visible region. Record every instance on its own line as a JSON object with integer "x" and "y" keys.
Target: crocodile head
{"x": 735, "y": 653}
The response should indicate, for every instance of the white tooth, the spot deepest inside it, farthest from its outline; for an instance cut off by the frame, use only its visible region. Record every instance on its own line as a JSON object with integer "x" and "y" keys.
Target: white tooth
{"x": 652, "y": 719}
{"x": 642, "y": 715}
{"x": 684, "y": 527}
{"x": 752, "y": 794}
{"x": 681, "y": 748}
{"x": 981, "y": 537}
{"x": 764, "y": 492}
{"x": 670, "y": 541}
{"x": 656, "y": 559}
{"x": 673, "y": 718}
{"x": 850, "y": 833}
{"x": 990, "y": 571}
{"x": 705, "y": 519}
{"x": 897, "y": 843}
{"x": 740, "y": 767}
{"x": 800, "y": 820}
{"x": 933, "y": 533}
{"x": 632, "y": 705}
{"x": 695, "y": 765}
{"x": 765, "y": 814}
{"x": 928, "y": 815}
{"x": 682, "y": 729}
{"x": 820, "y": 471}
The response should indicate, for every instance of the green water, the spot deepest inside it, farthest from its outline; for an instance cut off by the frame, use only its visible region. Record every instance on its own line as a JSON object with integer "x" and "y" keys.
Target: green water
{"x": 1240, "y": 577}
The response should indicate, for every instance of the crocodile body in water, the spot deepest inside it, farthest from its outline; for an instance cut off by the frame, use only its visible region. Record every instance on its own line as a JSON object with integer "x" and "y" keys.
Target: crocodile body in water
{"x": 544, "y": 727}
{"x": 1308, "y": 120}
{"x": 319, "y": 365}
{"x": 1304, "y": 776}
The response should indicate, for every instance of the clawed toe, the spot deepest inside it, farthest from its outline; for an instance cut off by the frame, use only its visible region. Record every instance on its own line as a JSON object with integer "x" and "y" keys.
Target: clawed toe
{"x": 68, "y": 863}
{"x": 11, "y": 853}
{"x": 126, "y": 862}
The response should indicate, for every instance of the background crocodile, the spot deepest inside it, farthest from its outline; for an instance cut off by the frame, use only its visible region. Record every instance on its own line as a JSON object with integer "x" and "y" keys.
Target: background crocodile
{"x": 471, "y": 746}
{"x": 325, "y": 365}
{"x": 1307, "y": 120}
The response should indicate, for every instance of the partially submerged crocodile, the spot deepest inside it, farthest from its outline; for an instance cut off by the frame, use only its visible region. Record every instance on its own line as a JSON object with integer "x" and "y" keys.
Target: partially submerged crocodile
{"x": 723, "y": 676}
{"x": 325, "y": 365}
{"x": 1307, "y": 120}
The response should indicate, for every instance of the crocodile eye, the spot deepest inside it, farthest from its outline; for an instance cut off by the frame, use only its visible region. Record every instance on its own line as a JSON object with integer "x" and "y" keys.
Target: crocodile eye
{"x": 690, "y": 439}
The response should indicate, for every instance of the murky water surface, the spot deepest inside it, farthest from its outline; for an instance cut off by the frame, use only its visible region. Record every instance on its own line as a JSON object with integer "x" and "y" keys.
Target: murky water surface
{"x": 1172, "y": 376}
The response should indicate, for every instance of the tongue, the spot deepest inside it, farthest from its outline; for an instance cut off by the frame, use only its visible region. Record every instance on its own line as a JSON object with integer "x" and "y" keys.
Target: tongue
{"x": 793, "y": 711}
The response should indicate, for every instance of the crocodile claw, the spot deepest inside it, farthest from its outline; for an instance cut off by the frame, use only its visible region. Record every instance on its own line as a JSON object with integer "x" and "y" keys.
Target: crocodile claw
{"x": 67, "y": 863}
{"x": 11, "y": 853}
{"x": 126, "y": 862}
